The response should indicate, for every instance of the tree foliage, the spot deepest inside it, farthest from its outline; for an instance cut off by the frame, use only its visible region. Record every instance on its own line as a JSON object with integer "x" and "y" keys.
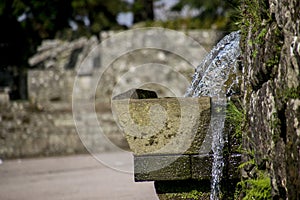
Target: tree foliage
{"x": 143, "y": 10}
{"x": 49, "y": 17}
{"x": 210, "y": 11}
{"x": 25, "y": 23}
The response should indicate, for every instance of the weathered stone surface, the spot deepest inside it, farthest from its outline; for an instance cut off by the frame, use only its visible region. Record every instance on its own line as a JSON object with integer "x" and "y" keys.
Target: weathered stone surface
{"x": 271, "y": 46}
{"x": 231, "y": 169}
{"x": 27, "y": 131}
{"x": 164, "y": 125}
{"x": 56, "y": 65}
{"x": 202, "y": 166}
{"x": 182, "y": 167}
{"x": 46, "y": 86}
{"x": 292, "y": 147}
{"x": 136, "y": 94}
{"x": 169, "y": 167}
{"x": 61, "y": 55}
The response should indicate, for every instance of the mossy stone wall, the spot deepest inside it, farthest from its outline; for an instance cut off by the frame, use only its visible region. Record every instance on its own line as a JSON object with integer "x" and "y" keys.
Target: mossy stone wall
{"x": 271, "y": 58}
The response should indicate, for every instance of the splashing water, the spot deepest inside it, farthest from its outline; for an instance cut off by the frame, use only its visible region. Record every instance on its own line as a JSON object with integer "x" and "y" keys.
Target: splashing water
{"x": 209, "y": 80}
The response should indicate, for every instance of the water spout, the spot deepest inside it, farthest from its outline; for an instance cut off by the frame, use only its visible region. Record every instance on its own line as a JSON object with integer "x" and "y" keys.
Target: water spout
{"x": 209, "y": 80}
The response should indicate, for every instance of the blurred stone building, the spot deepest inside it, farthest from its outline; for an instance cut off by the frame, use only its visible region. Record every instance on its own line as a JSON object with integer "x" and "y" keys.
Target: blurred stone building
{"x": 44, "y": 124}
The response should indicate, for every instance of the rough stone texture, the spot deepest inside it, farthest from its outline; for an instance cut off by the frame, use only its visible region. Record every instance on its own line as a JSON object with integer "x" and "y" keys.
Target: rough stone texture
{"x": 292, "y": 146}
{"x": 271, "y": 46}
{"x": 181, "y": 167}
{"x": 56, "y": 64}
{"x": 26, "y": 130}
{"x": 202, "y": 165}
{"x": 164, "y": 125}
{"x": 39, "y": 82}
{"x": 161, "y": 168}
{"x": 63, "y": 55}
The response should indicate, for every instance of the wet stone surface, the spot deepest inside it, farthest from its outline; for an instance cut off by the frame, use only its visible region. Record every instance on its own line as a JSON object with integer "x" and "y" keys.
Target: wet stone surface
{"x": 168, "y": 167}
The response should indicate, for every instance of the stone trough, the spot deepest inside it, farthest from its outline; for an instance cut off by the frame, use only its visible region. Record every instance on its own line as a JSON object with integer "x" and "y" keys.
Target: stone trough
{"x": 169, "y": 138}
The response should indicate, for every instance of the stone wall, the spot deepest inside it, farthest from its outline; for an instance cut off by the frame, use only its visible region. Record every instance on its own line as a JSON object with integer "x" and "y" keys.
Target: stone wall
{"x": 27, "y": 130}
{"x": 55, "y": 66}
{"x": 44, "y": 125}
{"x": 271, "y": 55}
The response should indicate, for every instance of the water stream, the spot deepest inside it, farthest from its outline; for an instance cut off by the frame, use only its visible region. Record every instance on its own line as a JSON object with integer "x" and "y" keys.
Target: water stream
{"x": 210, "y": 79}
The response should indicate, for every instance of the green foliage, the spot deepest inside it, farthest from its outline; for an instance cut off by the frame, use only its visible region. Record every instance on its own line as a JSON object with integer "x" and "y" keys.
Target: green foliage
{"x": 47, "y": 18}
{"x": 184, "y": 24}
{"x": 261, "y": 35}
{"x": 236, "y": 117}
{"x": 210, "y": 8}
{"x": 253, "y": 14}
{"x": 142, "y": 10}
{"x": 247, "y": 163}
{"x": 102, "y": 14}
{"x": 257, "y": 188}
{"x": 258, "y": 40}
{"x": 27, "y": 22}
{"x": 292, "y": 93}
{"x": 31, "y": 21}
{"x": 211, "y": 12}
{"x": 256, "y": 24}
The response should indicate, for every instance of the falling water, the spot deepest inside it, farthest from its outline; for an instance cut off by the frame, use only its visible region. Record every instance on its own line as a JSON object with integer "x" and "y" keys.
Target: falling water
{"x": 209, "y": 80}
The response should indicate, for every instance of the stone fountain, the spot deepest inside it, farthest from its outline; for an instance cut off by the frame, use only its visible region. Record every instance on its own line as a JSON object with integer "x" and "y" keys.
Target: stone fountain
{"x": 170, "y": 141}
{"x": 182, "y": 143}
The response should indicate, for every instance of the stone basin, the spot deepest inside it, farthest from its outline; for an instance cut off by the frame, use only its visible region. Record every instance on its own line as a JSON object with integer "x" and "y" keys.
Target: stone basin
{"x": 169, "y": 137}
{"x": 164, "y": 126}
{"x": 171, "y": 141}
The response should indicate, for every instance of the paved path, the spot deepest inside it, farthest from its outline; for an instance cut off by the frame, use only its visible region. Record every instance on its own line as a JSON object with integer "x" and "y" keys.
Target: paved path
{"x": 71, "y": 178}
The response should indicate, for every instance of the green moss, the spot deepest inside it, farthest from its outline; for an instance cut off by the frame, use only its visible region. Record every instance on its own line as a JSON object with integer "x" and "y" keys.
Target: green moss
{"x": 292, "y": 93}
{"x": 254, "y": 53}
{"x": 254, "y": 16}
{"x": 273, "y": 61}
{"x": 277, "y": 46}
{"x": 260, "y": 37}
{"x": 288, "y": 93}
